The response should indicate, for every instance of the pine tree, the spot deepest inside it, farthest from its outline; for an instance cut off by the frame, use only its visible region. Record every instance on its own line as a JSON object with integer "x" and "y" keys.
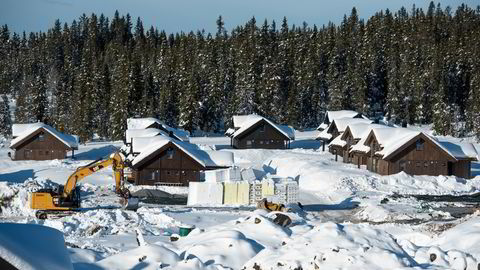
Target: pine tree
{"x": 5, "y": 119}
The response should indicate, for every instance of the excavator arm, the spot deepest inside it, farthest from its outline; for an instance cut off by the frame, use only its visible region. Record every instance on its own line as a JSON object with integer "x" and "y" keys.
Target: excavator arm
{"x": 116, "y": 161}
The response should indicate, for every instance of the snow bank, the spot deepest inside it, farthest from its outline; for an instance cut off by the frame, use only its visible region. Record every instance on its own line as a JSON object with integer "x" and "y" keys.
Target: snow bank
{"x": 28, "y": 246}
{"x": 14, "y": 198}
{"x": 332, "y": 245}
{"x": 144, "y": 257}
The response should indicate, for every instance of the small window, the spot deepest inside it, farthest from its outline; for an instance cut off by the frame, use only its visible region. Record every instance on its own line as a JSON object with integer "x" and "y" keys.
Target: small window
{"x": 249, "y": 143}
{"x": 261, "y": 142}
{"x": 170, "y": 153}
{"x": 267, "y": 142}
{"x": 41, "y": 137}
{"x": 420, "y": 144}
{"x": 262, "y": 128}
{"x": 418, "y": 164}
{"x": 426, "y": 163}
{"x": 152, "y": 176}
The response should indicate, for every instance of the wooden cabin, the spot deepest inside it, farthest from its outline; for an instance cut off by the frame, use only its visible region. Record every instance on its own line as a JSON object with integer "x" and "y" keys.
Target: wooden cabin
{"x": 258, "y": 132}
{"x": 391, "y": 151}
{"x": 336, "y": 128}
{"x": 342, "y": 144}
{"x": 164, "y": 161}
{"x": 329, "y": 116}
{"x": 39, "y": 141}
{"x": 153, "y": 123}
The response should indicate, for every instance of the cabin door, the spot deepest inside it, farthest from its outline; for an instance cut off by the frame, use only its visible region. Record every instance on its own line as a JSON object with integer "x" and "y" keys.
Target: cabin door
{"x": 450, "y": 168}
{"x": 27, "y": 153}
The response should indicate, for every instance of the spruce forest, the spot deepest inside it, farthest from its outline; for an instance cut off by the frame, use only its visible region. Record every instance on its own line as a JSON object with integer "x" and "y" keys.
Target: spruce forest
{"x": 412, "y": 66}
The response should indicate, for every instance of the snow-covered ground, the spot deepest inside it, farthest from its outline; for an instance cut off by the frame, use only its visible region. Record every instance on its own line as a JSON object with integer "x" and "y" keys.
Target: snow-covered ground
{"x": 351, "y": 218}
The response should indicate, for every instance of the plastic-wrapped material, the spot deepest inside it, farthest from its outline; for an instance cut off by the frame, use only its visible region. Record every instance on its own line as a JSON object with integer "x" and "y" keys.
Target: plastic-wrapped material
{"x": 205, "y": 193}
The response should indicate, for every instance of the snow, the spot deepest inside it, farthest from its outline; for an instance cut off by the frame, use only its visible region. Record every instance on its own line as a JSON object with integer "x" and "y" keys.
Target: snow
{"x": 333, "y": 115}
{"x": 143, "y": 123}
{"x": 30, "y": 246}
{"x": 205, "y": 158}
{"x": 22, "y": 131}
{"x": 351, "y": 218}
{"x": 247, "y": 121}
{"x": 149, "y": 132}
{"x": 342, "y": 123}
{"x": 338, "y": 141}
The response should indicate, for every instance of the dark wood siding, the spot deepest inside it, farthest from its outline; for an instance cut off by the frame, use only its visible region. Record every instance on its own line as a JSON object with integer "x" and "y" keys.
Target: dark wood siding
{"x": 428, "y": 160}
{"x": 163, "y": 167}
{"x": 41, "y": 145}
{"x": 261, "y": 135}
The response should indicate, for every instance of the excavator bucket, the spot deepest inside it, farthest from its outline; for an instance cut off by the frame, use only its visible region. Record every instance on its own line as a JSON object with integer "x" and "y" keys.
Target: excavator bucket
{"x": 130, "y": 203}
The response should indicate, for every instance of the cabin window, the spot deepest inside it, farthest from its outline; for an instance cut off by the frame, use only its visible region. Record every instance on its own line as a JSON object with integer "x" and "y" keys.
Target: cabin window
{"x": 262, "y": 128}
{"x": 418, "y": 164}
{"x": 151, "y": 176}
{"x": 249, "y": 143}
{"x": 267, "y": 142}
{"x": 261, "y": 142}
{"x": 170, "y": 152}
{"x": 420, "y": 144}
{"x": 41, "y": 137}
{"x": 426, "y": 163}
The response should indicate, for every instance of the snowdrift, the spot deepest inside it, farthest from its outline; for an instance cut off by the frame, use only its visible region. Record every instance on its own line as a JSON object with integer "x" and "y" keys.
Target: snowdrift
{"x": 29, "y": 246}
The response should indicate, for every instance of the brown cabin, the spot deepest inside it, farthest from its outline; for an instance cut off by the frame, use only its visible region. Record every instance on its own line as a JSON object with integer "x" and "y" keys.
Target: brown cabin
{"x": 261, "y": 135}
{"x": 169, "y": 165}
{"x": 43, "y": 143}
{"x": 344, "y": 150}
{"x": 419, "y": 156}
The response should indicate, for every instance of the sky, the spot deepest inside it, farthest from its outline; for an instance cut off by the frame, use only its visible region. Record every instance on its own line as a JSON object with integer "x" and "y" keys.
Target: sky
{"x": 187, "y": 15}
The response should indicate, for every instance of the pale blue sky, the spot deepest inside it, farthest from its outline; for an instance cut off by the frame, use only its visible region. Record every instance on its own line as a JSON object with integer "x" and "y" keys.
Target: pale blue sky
{"x": 186, "y": 15}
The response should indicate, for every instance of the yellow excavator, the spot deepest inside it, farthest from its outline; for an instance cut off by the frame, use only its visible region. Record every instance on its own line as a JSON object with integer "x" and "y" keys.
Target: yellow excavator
{"x": 66, "y": 199}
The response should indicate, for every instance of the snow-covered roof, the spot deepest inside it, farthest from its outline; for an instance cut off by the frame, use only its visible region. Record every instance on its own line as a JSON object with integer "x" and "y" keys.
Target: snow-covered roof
{"x": 143, "y": 123}
{"x": 460, "y": 150}
{"x": 338, "y": 142}
{"x": 392, "y": 139}
{"x": 229, "y": 132}
{"x": 322, "y": 126}
{"x": 28, "y": 129}
{"x": 332, "y": 115}
{"x": 341, "y": 125}
{"x": 238, "y": 120}
{"x": 324, "y": 135}
{"x": 205, "y": 158}
{"x": 32, "y": 246}
{"x": 361, "y": 131}
{"x": 149, "y": 132}
{"x": 247, "y": 121}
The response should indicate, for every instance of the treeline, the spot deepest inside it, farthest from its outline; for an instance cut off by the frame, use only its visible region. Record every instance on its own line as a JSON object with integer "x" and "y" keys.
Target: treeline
{"x": 89, "y": 76}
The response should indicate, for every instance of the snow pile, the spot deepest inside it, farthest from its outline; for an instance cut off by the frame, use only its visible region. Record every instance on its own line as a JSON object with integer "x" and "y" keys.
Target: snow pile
{"x": 14, "y": 198}
{"x": 464, "y": 236}
{"x": 100, "y": 222}
{"x": 28, "y": 246}
{"x": 144, "y": 257}
{"x": 332, "y": 245}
